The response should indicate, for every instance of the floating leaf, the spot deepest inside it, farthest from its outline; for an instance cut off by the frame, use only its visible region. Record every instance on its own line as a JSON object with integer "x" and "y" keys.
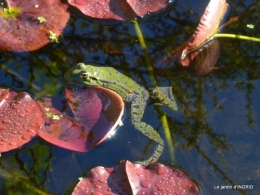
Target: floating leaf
{"x": 97, "y": 112}
{"x": 20, "y": 119}
{"x": 124, "y": 10}
{"x": 130, "y": 178}
{"x": 203, "y": 60}
{"x": 207, "y": 27}
{"x": 61, "y": 130}
{"x": 26, "y": 25}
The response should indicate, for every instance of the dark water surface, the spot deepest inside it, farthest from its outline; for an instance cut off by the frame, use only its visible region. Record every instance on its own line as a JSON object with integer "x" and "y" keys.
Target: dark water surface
{"x": 216, "y": 130}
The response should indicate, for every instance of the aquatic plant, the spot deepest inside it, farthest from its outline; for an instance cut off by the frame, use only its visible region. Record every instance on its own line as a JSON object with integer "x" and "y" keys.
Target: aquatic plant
{"x": 21, "y": 119}
{"x": 124, "y": 10}
{"x": 95, "y": 117}
{"x": 200, "y": 52}
{"x": 131, "y": 178}
{"x": 25, "y": 25}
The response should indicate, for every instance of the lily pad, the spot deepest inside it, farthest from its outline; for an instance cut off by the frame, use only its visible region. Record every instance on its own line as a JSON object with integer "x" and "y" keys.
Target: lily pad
{"x": 203, "y": 60}
{"x": 20, "y": 119}
{"x": 97, "y": 112}
{"x": 124, "y": 10}
{"x": 61, "y": 130}
{"x": 29, "y": 25}
{"x": 130, "y": 178}
{"x": 207, "y": 27}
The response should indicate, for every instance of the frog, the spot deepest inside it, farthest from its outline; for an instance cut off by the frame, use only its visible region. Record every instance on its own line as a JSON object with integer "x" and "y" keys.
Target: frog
{"x": 97, "y": 75}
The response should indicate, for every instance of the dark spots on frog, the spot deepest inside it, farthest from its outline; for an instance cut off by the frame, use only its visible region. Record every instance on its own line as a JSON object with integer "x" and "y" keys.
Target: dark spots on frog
{"x": 136, "y": 106}
{"x": 136, "y": 116}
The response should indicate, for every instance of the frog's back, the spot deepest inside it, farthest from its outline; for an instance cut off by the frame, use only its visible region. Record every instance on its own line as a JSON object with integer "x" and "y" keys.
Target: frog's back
{"x": 115, "y": 80}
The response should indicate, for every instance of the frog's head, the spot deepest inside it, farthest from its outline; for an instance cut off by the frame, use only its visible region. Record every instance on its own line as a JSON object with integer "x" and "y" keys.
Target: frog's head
{"x": 82, "y": 74}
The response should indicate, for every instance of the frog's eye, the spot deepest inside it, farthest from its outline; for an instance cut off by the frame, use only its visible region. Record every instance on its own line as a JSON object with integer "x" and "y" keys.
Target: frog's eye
{"x": 84, "y": 75}
{"x": 81, "y": 66}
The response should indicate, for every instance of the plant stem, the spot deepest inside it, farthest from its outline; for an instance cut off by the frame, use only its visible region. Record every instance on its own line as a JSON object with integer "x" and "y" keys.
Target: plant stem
{"x": 168, "y": 137}
{"x": 234, "y": 36}
{"x": 154, "y": 84}
{"x": 146, "y": 57}
{"x": 30, "y": 84}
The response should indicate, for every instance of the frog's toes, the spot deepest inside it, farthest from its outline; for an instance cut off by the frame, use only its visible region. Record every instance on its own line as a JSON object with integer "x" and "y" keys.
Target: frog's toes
{"x": 145, "y": 163}
{"x": 120, "y": 123}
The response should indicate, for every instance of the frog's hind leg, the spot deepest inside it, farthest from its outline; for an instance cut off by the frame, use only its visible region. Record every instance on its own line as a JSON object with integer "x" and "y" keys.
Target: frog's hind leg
{"x": 148, "y": 131}
{"x": 137, "y": 110}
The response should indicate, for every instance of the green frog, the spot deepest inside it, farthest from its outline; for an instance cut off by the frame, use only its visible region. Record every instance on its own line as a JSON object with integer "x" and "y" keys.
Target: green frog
{"x": 131, "y": 92}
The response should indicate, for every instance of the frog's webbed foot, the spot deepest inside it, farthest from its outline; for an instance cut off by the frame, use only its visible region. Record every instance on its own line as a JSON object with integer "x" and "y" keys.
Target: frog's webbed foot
{"x": 166, "y": 99}
{"x": 148, "y": 131}
{"x": 156, "y": 154}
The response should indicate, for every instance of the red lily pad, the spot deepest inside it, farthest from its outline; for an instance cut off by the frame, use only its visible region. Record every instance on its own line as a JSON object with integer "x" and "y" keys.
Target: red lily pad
{"x": 61, "y": 130}
{"x": 130, "y": 178}
{"x": 20, "y": 119}
{"x": 207, "y": 27}
{"x": 96, "y": 115}
{"x": 27, "y": 25}
{"x": 99, "y": 110}
{"x": 203, "y": 60}
{"x": 124, "y": 10}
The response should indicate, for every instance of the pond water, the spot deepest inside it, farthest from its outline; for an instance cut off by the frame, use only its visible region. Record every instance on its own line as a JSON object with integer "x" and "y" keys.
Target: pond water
{"x": 215, "y": 132}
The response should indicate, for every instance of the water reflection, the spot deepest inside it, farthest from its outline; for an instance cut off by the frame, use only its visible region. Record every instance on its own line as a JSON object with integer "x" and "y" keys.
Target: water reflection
{"x": 216, "y": 130}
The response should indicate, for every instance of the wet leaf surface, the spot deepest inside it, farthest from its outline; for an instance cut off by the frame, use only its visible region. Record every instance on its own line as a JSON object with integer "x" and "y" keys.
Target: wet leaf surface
{"x": 118, "y": 9}
{"x": 20, "y": 119}
{"x": 130, "y": 178}
{"x": 26, "y": 25}
{"x": 210, "y": 119}
{"x": 97, "y": 113}
{"x": 95, "y": 117}
{"x": 207, "y": 27}
{"x": 61, "y": 130}
{"x": 99, "y": 110}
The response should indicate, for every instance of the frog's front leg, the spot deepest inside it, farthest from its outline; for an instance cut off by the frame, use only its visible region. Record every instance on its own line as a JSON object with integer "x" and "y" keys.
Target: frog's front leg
{"x": 165, "y": 96}
{"x": 138, "y": 104}
{"x": 166, "y": 99}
